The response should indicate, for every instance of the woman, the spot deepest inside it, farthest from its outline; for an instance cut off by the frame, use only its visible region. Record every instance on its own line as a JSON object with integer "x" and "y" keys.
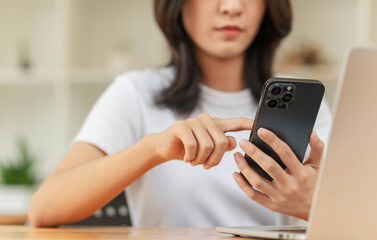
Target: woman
{"x": 193, "y": 111}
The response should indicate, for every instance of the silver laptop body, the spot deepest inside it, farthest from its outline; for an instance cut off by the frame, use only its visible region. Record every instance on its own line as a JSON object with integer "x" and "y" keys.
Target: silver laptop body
{"x": 345, "y": 201}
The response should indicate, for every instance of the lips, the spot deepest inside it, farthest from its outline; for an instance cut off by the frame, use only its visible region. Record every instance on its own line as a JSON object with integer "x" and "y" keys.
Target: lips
{"x": 230, "y": 31}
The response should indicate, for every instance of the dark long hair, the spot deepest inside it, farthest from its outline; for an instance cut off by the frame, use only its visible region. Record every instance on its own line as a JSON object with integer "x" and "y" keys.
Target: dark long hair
{"x": 183, "y": 94}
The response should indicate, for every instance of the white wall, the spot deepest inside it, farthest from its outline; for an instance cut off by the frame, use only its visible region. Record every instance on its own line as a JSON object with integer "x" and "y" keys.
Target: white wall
{"x": 99, "y": 27}
{"x": 330, "y": 24}
{"x": 88, "y": 35}
{"x": 373, "y": 25}
{"x": 26, "y": 22}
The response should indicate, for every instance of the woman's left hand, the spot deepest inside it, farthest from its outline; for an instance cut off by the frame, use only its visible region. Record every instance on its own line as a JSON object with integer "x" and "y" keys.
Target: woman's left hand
{"x": 291, "y": 191}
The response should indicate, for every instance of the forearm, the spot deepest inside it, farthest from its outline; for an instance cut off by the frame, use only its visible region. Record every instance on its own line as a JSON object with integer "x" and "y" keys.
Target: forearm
{"x": 76, "y": 193}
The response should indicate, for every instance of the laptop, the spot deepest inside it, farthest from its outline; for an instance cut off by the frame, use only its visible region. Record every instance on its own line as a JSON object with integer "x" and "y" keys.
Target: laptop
{"x": 345, "y": 200}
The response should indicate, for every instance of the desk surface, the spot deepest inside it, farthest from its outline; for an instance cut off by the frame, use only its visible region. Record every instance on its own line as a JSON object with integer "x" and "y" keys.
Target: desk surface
{"x": 24, "y": 232}
{"x": 4, "y": 220}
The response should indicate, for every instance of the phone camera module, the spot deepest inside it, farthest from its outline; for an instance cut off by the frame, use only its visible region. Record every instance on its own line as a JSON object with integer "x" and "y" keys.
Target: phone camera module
{"x": 272, "y": 103}
{"x": 275, "y": 90}
{"x": 286, "y": 97}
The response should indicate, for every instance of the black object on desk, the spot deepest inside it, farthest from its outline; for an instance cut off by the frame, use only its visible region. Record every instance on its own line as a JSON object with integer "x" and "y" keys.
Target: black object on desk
{"x": 115, "y": 213}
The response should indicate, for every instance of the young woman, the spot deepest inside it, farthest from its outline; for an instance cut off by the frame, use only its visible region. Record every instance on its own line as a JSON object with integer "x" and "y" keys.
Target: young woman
{"x": 169, "y": 136}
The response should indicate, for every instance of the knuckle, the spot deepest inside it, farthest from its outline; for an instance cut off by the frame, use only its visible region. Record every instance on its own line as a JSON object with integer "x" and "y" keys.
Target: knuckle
{"x": 291, "y": 190}
{"x": 242, "y": 165}
{"x": 269, "y": 167}
{"x": 191, "y": 146}
{"x": 180, "y": 123}
{"x": 193, "y": 120}
{"x": 208, "y": 146}
{"x": 223, "y": 143}
{"x": 246, "y": 120}
{"x": 218, "y": 122}
{"x": 204, "y": 116}
{"x": 285, "y": 152}
{"x": 257, "y": 183}
{"x": 251, "y": 194}
{"x": 252, "y": 150}
{"x": 188, "y": 120}
{"x": 303, "y": 176}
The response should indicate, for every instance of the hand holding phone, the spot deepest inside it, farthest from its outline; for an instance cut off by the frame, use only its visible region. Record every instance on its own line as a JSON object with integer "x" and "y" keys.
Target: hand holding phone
{"x": 288, "y": 108}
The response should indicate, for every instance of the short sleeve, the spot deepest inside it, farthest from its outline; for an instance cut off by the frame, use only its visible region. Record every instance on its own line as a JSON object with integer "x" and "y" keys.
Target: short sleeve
{"x": 114, "y": 122}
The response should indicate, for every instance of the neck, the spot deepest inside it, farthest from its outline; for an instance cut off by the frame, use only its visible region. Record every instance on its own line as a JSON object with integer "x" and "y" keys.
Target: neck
{"x": 221, "y": 74}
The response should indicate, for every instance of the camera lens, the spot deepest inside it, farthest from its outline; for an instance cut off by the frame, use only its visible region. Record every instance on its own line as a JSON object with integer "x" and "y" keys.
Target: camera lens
{"x": 272, "y": 103}
{"x": 275, "y": 90}
{"x": 287, "y": 97}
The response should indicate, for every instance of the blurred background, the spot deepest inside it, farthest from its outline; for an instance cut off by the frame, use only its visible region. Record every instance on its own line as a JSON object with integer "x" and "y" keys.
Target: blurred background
{"x": 57, "y": 56}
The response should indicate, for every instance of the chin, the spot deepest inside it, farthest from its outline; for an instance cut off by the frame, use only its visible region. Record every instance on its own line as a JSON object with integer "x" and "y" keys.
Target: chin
{"x": 228, "y": 53}
{"x": 227, "y": 50}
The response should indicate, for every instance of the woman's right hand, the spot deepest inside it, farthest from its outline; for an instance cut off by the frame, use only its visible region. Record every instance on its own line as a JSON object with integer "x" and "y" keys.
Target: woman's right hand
{"x": 199, "y": 140}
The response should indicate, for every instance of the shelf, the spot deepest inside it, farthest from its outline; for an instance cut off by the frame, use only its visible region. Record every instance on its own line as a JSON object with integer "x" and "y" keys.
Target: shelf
{"x": 323, "y": 72}
{"x": 81, "y": 77}
{"x": 25, "y": 82}
{"x": 91, "y": 76}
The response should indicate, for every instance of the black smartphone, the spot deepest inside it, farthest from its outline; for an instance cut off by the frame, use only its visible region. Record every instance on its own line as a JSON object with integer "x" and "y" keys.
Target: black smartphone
{"x": 289, "y": 108}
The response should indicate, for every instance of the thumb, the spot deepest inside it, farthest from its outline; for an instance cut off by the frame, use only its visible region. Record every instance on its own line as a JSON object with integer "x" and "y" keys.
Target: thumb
{"x": 232, "y": 143}
{"x": 316, "y": 151}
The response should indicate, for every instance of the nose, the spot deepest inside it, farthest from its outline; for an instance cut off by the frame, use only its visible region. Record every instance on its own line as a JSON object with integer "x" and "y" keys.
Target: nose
{"x": 232, "y": 8}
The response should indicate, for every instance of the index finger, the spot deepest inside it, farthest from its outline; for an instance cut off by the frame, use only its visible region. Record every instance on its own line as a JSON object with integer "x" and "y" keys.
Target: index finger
{"x": 234, "y": 124}
{"x": 282, "y": 149}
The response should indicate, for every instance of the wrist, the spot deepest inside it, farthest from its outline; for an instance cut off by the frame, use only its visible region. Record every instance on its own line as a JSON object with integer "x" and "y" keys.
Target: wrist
{"x": 152, "y": 142}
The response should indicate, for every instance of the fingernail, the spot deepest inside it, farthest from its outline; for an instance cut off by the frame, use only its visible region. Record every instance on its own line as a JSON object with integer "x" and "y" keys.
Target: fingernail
{"x": 236, "y": 157}
{"x": 236, "y": 176}
{"x": 262, "y": 132}
{"x": 205, "y": 166}
{"x": 244, "y": 143}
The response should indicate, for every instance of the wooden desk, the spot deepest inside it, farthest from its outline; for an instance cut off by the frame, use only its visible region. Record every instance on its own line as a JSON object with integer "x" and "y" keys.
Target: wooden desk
{"x": 23, "y": 232}
{"x": 7, "y": 220}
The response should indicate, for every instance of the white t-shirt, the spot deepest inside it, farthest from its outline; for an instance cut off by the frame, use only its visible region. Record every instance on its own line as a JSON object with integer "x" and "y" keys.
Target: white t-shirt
{"x": 174, "y": 194}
